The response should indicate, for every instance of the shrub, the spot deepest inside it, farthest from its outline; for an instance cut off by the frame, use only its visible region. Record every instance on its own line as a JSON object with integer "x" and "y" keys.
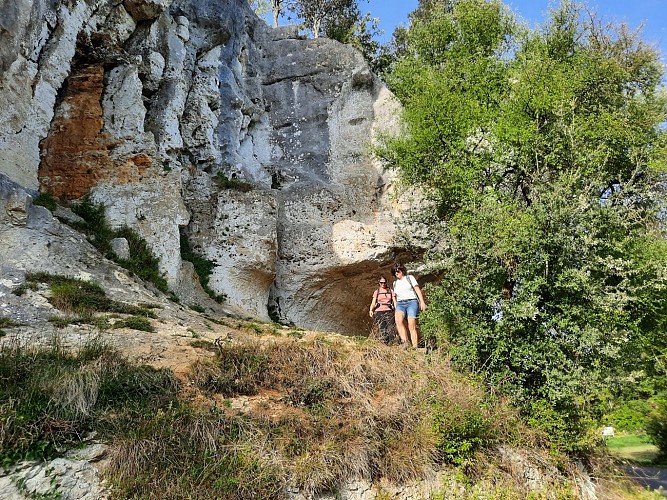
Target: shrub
{"x": 46, "y": 200}
{"x": 135, "y": 323}
{"x": 224, "y": 182}
{"x": 197, "y": 308}
{"x": 569, "y": 431}
{"x": 656, "y": 427}
{"x": 64, "y": 321}
{"x": 8, "y": 323}
{"x": 142, "y": 262}
{"x": 630, "y": 416}
{"x": 80, "y": 297}
{"x": 459, "y": 430}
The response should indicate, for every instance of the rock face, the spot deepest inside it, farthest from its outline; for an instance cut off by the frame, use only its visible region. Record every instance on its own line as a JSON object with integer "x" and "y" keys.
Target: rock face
{"x": 194, "y": 118}
{"x": 71, "y": 477}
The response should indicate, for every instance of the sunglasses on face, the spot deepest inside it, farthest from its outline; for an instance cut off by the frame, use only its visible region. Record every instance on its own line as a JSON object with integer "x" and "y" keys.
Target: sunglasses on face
{"x": 383, "y": 282}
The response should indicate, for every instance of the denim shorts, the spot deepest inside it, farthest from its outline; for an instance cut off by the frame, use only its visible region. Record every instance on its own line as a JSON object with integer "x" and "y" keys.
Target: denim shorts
{"x": 409, "y": 308}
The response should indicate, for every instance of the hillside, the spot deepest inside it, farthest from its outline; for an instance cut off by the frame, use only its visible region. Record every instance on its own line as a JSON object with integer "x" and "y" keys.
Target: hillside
{"x": 193, "y": 404}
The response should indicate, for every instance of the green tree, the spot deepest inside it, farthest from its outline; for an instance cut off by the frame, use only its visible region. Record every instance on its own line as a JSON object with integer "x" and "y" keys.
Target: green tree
{"x": 360, "y": 31}
{"x": 342, "y": 20}
{"x": 261, "y": 7}
{"x": 542, "y": 155}
{"x": 318, "y": 15}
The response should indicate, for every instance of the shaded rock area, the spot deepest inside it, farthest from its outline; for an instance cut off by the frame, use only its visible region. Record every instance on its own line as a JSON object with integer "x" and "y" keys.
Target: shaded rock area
{"x": 194, "y": 118}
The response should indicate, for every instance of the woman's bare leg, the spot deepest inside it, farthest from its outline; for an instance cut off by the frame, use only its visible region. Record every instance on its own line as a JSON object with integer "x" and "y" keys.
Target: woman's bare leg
{"x": 412, "y": 325}
{"x": 400, "y": 326}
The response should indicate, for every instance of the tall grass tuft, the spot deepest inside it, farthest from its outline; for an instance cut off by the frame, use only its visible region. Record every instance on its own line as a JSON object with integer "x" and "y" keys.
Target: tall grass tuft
{"x": 51, "y": 398}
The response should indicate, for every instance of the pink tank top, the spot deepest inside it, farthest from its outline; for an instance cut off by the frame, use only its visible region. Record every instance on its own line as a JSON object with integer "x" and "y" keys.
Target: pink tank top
{"x": 383, "y": 300}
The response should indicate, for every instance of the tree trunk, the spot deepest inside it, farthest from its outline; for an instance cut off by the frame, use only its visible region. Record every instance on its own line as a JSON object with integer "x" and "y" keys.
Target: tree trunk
{"x": 275, "y": 8}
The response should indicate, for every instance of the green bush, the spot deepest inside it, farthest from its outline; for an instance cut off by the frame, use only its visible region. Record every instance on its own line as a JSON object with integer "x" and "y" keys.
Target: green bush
{"x": 459, "y": 431}
{"x": 197, "y": 308}
{"x": 203, "y": 268}
{"x": 80, "y": 297}
{"x": 46, "y": 200}
{"x": 142, "y": 262}
{"x": 8, "y": 323}
{"x": 569, "y": 430}
{"x": 656, "y": 427}
{"x": 224, "y": 182}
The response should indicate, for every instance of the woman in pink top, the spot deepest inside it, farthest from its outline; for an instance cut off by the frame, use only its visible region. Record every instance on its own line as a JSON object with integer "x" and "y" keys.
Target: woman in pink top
{"x": 382, "y": 310}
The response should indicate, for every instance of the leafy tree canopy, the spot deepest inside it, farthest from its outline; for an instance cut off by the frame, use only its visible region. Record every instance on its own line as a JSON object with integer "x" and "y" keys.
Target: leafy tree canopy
{"x": 544, "y": 159}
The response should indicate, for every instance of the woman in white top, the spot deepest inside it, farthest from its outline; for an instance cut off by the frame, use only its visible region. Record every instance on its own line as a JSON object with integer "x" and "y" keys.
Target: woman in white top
{"x": 409, "y": 301}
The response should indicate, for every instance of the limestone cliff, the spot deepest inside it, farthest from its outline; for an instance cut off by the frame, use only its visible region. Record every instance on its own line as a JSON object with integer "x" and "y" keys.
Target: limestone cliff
{"x": 149, "y": 104}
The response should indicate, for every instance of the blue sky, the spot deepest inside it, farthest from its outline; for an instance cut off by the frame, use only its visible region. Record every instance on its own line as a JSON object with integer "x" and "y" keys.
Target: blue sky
{"x": 653, "y": 13}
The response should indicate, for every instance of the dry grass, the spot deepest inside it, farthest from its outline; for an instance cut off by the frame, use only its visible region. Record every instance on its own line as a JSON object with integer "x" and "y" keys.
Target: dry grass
{"x": 186, "y": 450}
{"x": 319, "y": 413}
{"x": 51, "y": 398}
{"x": 357, "y": 412}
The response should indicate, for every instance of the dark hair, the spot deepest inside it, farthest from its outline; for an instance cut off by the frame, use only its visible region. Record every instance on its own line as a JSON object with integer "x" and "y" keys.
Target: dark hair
{"x": 397, "y": 266}
{"x": 385, "y": 280}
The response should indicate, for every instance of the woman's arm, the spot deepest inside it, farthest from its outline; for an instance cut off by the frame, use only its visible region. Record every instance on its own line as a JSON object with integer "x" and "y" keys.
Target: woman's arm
{"x": 374, "y": 301}
{"x": 422, "y": 304}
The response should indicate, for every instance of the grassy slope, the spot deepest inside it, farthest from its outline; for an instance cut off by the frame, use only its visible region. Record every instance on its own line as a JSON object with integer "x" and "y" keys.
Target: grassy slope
{"x": 272, "y": 407}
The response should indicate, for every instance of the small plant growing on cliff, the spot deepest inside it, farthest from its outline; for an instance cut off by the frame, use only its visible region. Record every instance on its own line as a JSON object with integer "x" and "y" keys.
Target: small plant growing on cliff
{"x": 141, "y": 262}
{"x": 8, "y": 323}
{"x": 46, "y": 200}
{"x": 135, "y": 323}
{"x": 203, "y": 268}
{"x": 224, "y": 182}
{"x": 80, "y": 297}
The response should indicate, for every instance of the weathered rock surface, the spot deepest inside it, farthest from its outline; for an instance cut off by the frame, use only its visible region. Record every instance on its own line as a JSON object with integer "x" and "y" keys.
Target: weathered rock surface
{"x": 72, "y": 477}
{"x": 33, "y": 240}
{"x": 193, "y": 117}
